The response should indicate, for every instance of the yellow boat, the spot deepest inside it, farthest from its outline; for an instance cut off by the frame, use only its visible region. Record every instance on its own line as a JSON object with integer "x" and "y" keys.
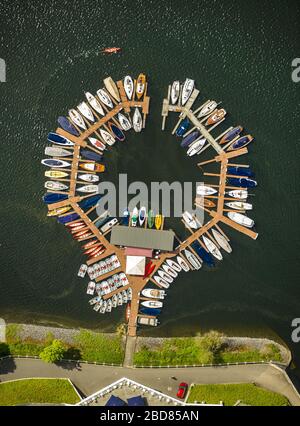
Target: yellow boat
{"x": 158, "y": 221}
{"x": 140, "y": 86}
{"x": 55, "y": 174}
{"x": 61, "y": 210}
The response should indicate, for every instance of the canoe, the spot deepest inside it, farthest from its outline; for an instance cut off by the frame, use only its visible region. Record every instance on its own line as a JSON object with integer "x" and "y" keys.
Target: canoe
{"x": 240, "y": 143}
{"x": 58, "y": 139}
{"x": 231, "y": 134}
{"x": 51, "y": 162}
{"x": 88, "y": 188}
{"x": 124, "y": 121}
{"x": 134, "y": 216}
{"x": 241, "y": 219}
{"x": 92, "y": 167}
{"x": 240, "y": 171}
{"x": 207, "y": 109}
{"x": 193, "y": 260}
{"x": 175, "y": 91}
{"x": 57, "y": 212}
{"x": 158, "y": 221}
{"x": 183, "y": 127}
{"x": 77, "y": 119}
{"x": 184, "y": 265}
{"x": 192, "y": 137}
{"x": 140, "y": 86}
{"x": 67, "y": 126}
{"x": 68, "y": 218}
{"x": 205, "y": 190}
{"x": 242, "y": 182}
{"x": 56, "y": 151}
{"x": 137, "y": 120}
{"x": 196, "y": 147}
{"x": 173, "y": 265}
{"x": 239, "y": 205}
{"x": 103, "y": 96}
{"x": 116, "y": 131}
{"x": 88, "y": 177}
{"x": 95, "y": 104}
{"x": 107, "y": 137}
{"x": 55, "y": 186}
{"x": 221, "y": 240}
{"x": 152, "y": 304}
{"x": 212, "y": 248}
{"x": 217, "y": 116}
{"x": 239, "y": 193}
{"x": 161, "y": 281}
{"x": 86, "y": 111}
{"x": 97, "y": 144}
{"x": 151, "y": 219}
{"x": 112, "y": 89}
{"x": 128, "y": 87}
{"x": 187, "y": 90}
{"x": 189, "y": 220}
{"x": 142, "y": 215}
{"x": 154, "y": 293}
{"x": 53, "y": 197}
{"x": 90, "y": 155}
{"x": 56, "y": 174}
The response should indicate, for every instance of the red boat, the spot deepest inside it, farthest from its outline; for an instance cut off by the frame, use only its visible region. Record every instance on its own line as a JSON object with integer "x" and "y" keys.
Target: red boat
{"x": 149, "y": 269}
{"x": 89, "y": 244}
{"x": 127, "y": 312}
{"x": 111, "y": 50}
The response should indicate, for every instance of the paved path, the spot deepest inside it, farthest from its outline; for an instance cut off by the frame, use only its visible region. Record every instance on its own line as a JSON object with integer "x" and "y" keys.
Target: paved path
{"x": 129, "y": 351}
{"x": 90, "y": 378}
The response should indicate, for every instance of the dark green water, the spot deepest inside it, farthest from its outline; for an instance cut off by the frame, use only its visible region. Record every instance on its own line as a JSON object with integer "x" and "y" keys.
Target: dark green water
{"x": 238, "y": 52}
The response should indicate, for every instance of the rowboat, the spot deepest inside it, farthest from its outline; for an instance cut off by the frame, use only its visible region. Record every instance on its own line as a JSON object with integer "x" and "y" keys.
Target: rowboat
{"x": 212, "y": 248}
{"x": 194, "y": 261}
{"x": 93, "y": 167}
{"x": 205, "y": 190}
{"x": 89, "y": 244}
{"x": 54, "y": 197}
{"x": 107, "y": 137}
{"x": 58, "y": 211}
{"x": 205, "y": 202}
{"x": 192, "y": 137}
{"x": 82, "y": 270}
{"x": 184, "y": 265}
{"x": 161, "y": 282}
{"x": 77, "y": 228}
{"x": 90, "y": 155}
{"x": 240, "y": 143}
{"x": 154, "y": 293}
{"x": 112, "y": 89}
{"x": 152, "y": 304}
{"x": 170, "y": 271}
{"x": 97, "y": 144}
{"x": 58, "y": 139}
{"x": 116, "y": 131}
{"x": 242, "y": 182}
{"x": 174, "y": 265}
{"x": 158, "y": 221}
{"x": 137, "y": 120}
{"x": 239, "y": 193}
{"x": 239, "y": 205}
{"x": 95, "y": 104}
{"x": 231, "y": 134}
{"x": 241, "y": 219}
{"x": 111, "y": 50}
{"x": 165, "y": 276}
{"x": 55, "y": 186}
{"x": 134, "y": 217}
{"x": 221, "y": 240}
{"x": 196, "y": 147}
{"x": 189, "y": 220}
{"x": 124, "y": 121}
{"x": 183, "y": 127}
{"x": 128, "y": 87}
{"x": 187, "y": 90}
{"x": 77, "y": 119}
{"x": 151, "y": 219}
{"x": 103, "y": 96}
{"x": 51, "y": 162}
{"x": 216, "y": 117}
{"x": 88, "y": 188}
{"x": 88, "y": 177}
{"x": 127, "y": 312}
{"x": 140, "y": 86}
{"x": 175, "y": 91}
{"x": 207, "y": 109}
{"x": 142, "y": 215}
{"x": 86, "y": 111}
{"x": 67, "y": 126}
{"x": 56, "y": 151}
{"x": 93, "y": 248}
{"x": 240, "y": 171}
{"x": 56, "y": 174}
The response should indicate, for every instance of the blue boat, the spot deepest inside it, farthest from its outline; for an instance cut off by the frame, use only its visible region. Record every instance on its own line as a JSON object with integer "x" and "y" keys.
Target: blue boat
{"x": 68, "y": 218}
{"x": 233, "y": 133}
{"x": 89, "y": 202}
{"x": 150, "y": 311}
{"x": 205, "y": 256}
{"x": 183, "y": 127}
{"x": 67, "y": 126}
{"x": 116, "y": 131}
{"x": 190, "y": 138}
{"x": 125, "y": 218}
{"x": 242, "y": 182}
{"x": 240, "y": 143}
{"x": 54, "y": 197}
{"x": 58, "y": 139}
{"x": 240, "y": 171}
{"x": 90, "y": 155}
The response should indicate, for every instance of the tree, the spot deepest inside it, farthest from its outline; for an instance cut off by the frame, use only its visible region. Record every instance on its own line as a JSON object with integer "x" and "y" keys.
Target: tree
{"x": 54, "y": 352}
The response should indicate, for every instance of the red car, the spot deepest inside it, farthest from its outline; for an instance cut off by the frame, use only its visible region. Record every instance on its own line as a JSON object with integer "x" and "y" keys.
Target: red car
{"x": 182, "y": 390}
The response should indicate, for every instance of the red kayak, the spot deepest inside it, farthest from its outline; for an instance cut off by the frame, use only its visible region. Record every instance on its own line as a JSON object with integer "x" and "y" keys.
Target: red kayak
{"x": 149, "y": 269}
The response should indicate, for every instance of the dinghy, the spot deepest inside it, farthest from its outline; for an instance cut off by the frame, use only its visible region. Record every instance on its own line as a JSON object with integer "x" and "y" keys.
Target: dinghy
{"x": 67, "y": 126}
{"x": 56, "y": 151}
{"x": 142, "y": 215}
{"x": 175, "y": 91}
{"x": 140, "y": 86}
{"x": 239, "y": 205}
{"x": 217, "y": 116}
{"x": 112, "y": 89}
{"x": 55, "y": 186}
{"x": 134, "y": 216}
{"x": 205, "y": 190}
{"x": 128, "y": 87}
{"x": 196, "y": 147}
{"x": 137, "y": 120}
{"x": 88, "y": 177}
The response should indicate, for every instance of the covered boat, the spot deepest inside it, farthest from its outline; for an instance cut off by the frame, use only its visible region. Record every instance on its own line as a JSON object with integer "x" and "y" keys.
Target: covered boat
{"x": 58, "y": 139}
{"x": 240, "y": 143}
{"x": 116, "y": 131}
{"x": 57, "y": 151}
{"x": 91, "y": 155}
{"x": 183, "y": 264}
{"x": 204, "y": 255}
{"x": 67, "y": 126}
{"x": 51, "y": 162}
{"x": 240, "y": 171}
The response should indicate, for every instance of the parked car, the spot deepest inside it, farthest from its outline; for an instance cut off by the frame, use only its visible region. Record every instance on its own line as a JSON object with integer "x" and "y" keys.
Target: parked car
{"x": 182, "y": 390}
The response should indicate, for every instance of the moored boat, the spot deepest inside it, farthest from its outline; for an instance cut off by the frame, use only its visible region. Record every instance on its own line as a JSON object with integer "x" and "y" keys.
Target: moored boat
{"x": 174, "y": 265}
{"x": 103, "y": 96}
{"x": 165, "y": 276}
{"x": 170, "y": 271}
{"x": 240, "y": 143}
{"x": 82, "y": 270}
{"x": 128, "y": 87}
{"x": 152, "y": 304}
{"x": 124, "y": 121}
{"x": 88, "y": 188}
{"x": 175, "y": 91}
{"x": 107, "y": 137}
{"x": 54, "y": 197}
{"x": 242, "y": 182}
{"x": 52, "y": 162}
{"x": 142, "y": 215}
{"x": 212, "y": 248}
{"x": 221, "y": 240}
{"x": 239, "y": 193}
{"x": 183, "y": 127}
{"x": 187, "y": 90}
{"x": 58, "y": 139}
{"x": 91, "y": 288}
{"x": 112, "y": 89}
{"x": 116, "y": 131}
{"x": 183, "y": 264}
{"x": 88, "y": 177}
{"x": 240, "y": 171}
{"x": 127, "y": 311}
{"x": 58, "y": 211}
{"x": 95, "y": 104}
{"x": 207, "y": 109}
{"x": 158, "y": 221}
{"x": 205, "y": 190}
{"x": 55, "y": 186}
{"x": 241, "y": 219}
{"x": 217, "y": 116}
{"x": 154, "y": 293}
{"x": 56, "y": 151}
{"x": 196, "y": 147}
{"x": 150, "y": 219}
{"x": 97, "y": 144}
{"x": 161, "y": 282}
{"x": 94, "y": 167}
{"x": 134, "y": 216}
{"x": 67, "y": 125}
{"x": 140, "y": 86}
{"x": 137, "y": 120}
{"x": 190, "y": 220}
{"x": 194, "y": 261}
{"x": 204, "y": 202}
{"x": 231, "y": 134}
{"x": 55, "y": 174}
{"x": 77, "y": 119}
{"x": 147, "y": 321}
{"x": 86, "y": 111}
{"x": 239, "y": 205}
{"x": 192, "y": 137}
{"x": 91, "y": 155}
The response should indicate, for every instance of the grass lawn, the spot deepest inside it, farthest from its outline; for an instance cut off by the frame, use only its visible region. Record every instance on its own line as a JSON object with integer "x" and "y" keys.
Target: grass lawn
{"x": 247, "y": 393}
{"x": 55, "y": 391}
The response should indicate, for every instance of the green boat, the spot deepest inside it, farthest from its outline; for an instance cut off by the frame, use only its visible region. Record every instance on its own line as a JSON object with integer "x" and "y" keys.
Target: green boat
{"x": 134, "y": 217}
{"x": 151, "y": 218}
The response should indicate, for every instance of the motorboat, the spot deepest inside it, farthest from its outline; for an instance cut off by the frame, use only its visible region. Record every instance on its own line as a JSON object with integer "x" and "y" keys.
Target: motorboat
{"x": 86, "y": 111}
{"x": 189, "y": 220}
{"x": 205, "y": 190}
{"x": 194, "y": 261}
{"x": 153, "y": 293}
{"x": 124, "y": 296}
{"x": 128, "y": 87}
{"x": 161, "y": 282}
{"x": 187, "y": 90}
{"x": 82, "y": 270}
{"x": 207, "y": 109}
{"x": 120, "y": 299}
{"x": 231, "y": 134}
{"x": 123, "y": 278}
{"x": 240, "y": 143}
{"x": 134, "y": 216}
{"x": 239, "y": 193}
{"x": 142, "y": 215}
{"x": 204, "y": 202}
{"x": 175, "y": 91}
{"x": 170, "y": 271}
{"x": 58, "y": 211}
{"x": 95, "y": 104}
{"x": 217, "y": 116}
{"x": 184, "y": 265}
{"x": 129, "y": 293}
{"x": 116, "y": 131}
{"x": 240, "y": 171}
{"x": 114, "y": 301}
{"x": 51, "y": 162}
{"x": 124, "y": 121}
{"x": 239, "y": 205}
{"x": 137, "y": 121}
{"x": 55, "y": 174}
{"x": 103, "y": 96}
{"x": 221, "y": 240}
{"x": 109, "y": 305}
{"x": 54, "y": 197}
{"x": 58, "y": 139}
{"x": 192, "y": 137}
{"x": 241, "y": 219}
{"x": 91, "y": 288}
{"x": 165, "y": 276}
{"x": 152, "y": 304}
{"x": 55, "y": 186}
{"x": 56, "y": 151}
{"x": 88, "y": 188}
{"x": 65, "y": 124}
{"x": 212, "y": 248}
{"x": 97, "y": 144}
{"x": 77, "y": 119}
{"x": 242, "y": 182}
{"x": 174, "y": 265}
{"x": 107, "y": 137}
{"x": 91, "y": 155}
{"x": 183, "y": 127}
{"x": 140, "y": 86}
{"x": 92, "y": 167}
{"x": 147, "y": 321}
{"x": 88, "y": 177}
{"x": 112, "y": 89}
{"x": 196, "y": 147}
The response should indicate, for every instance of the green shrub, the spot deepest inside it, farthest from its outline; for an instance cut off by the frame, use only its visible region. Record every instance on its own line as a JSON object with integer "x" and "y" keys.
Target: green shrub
{"x": 54, "y": 352}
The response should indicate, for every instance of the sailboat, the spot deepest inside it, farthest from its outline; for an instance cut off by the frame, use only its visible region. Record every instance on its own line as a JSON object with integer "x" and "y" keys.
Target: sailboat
{"x": 57, "y": 151}
{"x": 103, "y": 96}
{"x": 231, "y": 134}
{"x": 128, "y": 86}
{"x": 189, "y": 220}
{"x": 221, "y": 240}
{"x": 241, "y": 219}
{"x": 140, "y": 86}
{"x": 187, "y": 90}
{"x": 51, "y": 162}
{"x": 95, "y": 104}
{"x": 196, "y": 147}
{"x": 112, "y": 89}
{"x": 107, "y": 137}
{"x": 175, "y": 91}
{"x": 217, "y": 116}
{"x": 97, "y": 144}
{"x": 205, "y": 190}
{"x": 137, "y": 120}
{"x": 207, "y": 109}
{"x": 124, "y": 121}
{"x": 77, "y": 119}
{"x": 212, "y": 248}
{"x": 86, "y": 111}
{"x": 67, "y": 126}
{"x": 55, "y": 186}
{"x": 58, "y": 139}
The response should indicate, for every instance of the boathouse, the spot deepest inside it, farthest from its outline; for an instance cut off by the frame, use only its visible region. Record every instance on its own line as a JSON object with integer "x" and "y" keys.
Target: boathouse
{"x": 128, "y": 236}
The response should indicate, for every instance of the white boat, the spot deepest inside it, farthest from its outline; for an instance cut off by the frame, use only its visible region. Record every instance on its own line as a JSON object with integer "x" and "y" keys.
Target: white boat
{"x": 128, "y": 87}
{"x": 174, "y": 265}
{"x": 147, "y": 321}
{"x": 175, "y": 91}
{"x": 241, "y": 219}
{"x": 86, "y": 111}
{"x": 142, "y": 215}
{"x": 170, "y": 271}
{"x": 97, "y": 144}
{"x": 107, "y": 137}
{"x": 108, "y": 225}
{"x": 137, "y": 120}
{"x": 239, "y": 205}
{"x": 152, "y": 304}
{"x": 124, "y": 296}
{"x": 212, "y": 248}
{"x": 120, "y": 299}
{"x": 189, "y": 220}
{"x": 51, "y": 162}
{"x": 196, "y": 147}
{"x": 56, "y": 151}
{"x": 55, "y": 186}
{"x": 161, "y": 281}
{"x": 239, "y": 193}
{"x": 94, "y": 300}
{"x": 129, "y": 293}
{"x": 124, "y": 121}
{"x": 194, "y": 261}
{"x": 154, "y": 293}
{"x": 91, "y": 288}
{"x": 221, "y": 240}
{"x": 108, "y": 306}
{"x": 134, "y": 216}
{"x": 97, "y": 307}
{"x": 207, "y": 109}
{"x": 95, "y": 104}
{"x": 77, "y": 119}
{"x": 88, "y": 188}
{"x": 88, "y": 177}
{"x": 187, "y": 90}
{"x": 184, "y": 265}
{"x": 165, "y": 276}
{"x": 103, "y": 307}
{"x": 103, "y": 96}
{"x": 205, "y": 190}
{"x": 123, "y": 278}
{"x": 82, "y": 270}
{"x": 114, "y": 301}
{"x": 112, "y": 89}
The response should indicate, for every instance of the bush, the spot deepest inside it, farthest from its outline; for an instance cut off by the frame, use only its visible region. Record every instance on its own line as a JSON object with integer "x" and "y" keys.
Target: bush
{"x": 13, "y": 332}
{"x": 212, "y": 341}
{"x": 54, "y": 352}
